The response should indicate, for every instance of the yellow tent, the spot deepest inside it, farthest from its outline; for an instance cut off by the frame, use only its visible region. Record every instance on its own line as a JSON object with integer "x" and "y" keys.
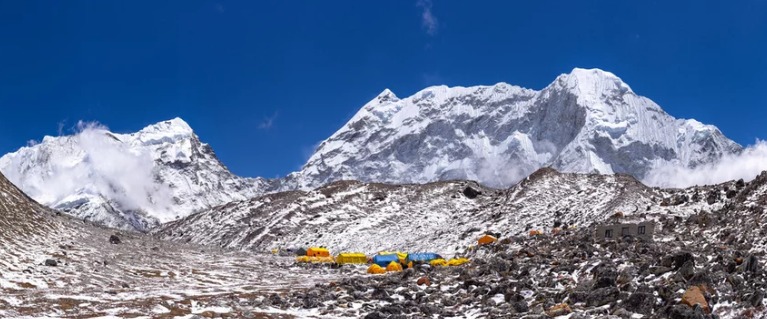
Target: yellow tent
{"x": 438, "y": 262}
{"x": 318, "y": 252}
{"x": 321, "y": 259}
{"x": 486, "y": 239}
{"x": 351, "y": 258}
{"x": 307, "y": 259}
{"x": 376, "y": 269}
{"x": 394, "y": 266}
{"x": 457, "y": 261}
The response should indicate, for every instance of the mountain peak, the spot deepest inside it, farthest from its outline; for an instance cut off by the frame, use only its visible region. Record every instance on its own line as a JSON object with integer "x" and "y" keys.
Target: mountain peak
{"x": 586, "y": 121}
{"x": 173, "y": 129}
{"x": 593, "y": 82}
{"x": 386, "y": 96}
{"x": 175, "y": 125}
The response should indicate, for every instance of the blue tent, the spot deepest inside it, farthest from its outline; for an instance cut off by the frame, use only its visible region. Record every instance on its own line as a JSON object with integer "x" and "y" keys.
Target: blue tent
{"x": 422, "y": 257}
{"x": 384, "y": 260}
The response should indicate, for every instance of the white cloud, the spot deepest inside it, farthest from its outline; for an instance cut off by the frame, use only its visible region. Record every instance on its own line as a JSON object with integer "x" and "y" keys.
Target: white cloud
{"x": 93, "y": 162}
{"x": 268, "y": 122}
{"x": 747, "y": 165}
{"x": 428, "y": 20}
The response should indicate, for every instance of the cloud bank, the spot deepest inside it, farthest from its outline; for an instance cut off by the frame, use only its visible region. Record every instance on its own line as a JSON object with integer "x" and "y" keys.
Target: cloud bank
{"x": 92, "y": 162}
{"x": 746, "y": 165}
{"x": 428, "y": 20}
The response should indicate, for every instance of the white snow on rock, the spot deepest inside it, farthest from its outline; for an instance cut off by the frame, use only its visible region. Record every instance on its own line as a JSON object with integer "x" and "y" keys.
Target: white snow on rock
{"x": 437, "y": 217}
{"x": 586, "y": 121}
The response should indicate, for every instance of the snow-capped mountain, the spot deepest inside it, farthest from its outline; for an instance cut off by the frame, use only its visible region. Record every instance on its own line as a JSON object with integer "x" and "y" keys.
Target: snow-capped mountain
{"x": 129, "y": 181}
{"x": 586, "y": 121}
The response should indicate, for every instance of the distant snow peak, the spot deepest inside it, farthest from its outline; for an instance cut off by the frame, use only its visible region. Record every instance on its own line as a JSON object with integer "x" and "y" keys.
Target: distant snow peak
{"x": 175, "y": 125}
{"x": 586, "y": 121}
{"x": 130, "y": 181}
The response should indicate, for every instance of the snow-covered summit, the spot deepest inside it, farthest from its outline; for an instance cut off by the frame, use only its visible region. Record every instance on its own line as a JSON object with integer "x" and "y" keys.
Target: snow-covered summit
{"x": 586, "y": 121}
{"x": 171, "y": 129}
{"x": 130, "y": 181}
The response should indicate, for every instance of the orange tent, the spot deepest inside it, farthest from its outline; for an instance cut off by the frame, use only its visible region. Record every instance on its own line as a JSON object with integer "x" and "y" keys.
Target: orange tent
{"x": 486, "y": 239}
{"x": 394, "y": 266}
{"x": 535, "y": 232}
{"x": 376, "y": 269}
{"x": 318, "y": 252}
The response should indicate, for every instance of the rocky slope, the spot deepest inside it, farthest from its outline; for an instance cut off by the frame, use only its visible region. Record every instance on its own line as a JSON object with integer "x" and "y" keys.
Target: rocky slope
{"x": 128, "y": 181}
{"x": 442, "y": 216}
{"x": 56, "y": 266}
{"x": 700, "y": 266}
{"x": 586, "y": 121}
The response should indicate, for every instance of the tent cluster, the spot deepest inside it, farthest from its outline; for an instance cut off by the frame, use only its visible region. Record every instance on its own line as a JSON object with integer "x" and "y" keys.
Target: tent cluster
{"x": 385, "y": 261}
{"x": 322, "y": 255}
{"x": 396, "y": 261}
{"x": 315, "y": 255}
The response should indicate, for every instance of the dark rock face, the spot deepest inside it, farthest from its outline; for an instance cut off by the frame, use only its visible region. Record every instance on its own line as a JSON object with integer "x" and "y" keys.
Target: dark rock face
{"x": 678, "y": 260}
{"x": 602, "y": 296}
{"x": 641, "y": 302}
{"x": 751, "y": 265}
{"x": 471, "y": 193}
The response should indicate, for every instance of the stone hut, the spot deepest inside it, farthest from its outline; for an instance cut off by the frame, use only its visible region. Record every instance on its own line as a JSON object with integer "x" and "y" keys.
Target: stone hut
{"x": 643, "y": 230}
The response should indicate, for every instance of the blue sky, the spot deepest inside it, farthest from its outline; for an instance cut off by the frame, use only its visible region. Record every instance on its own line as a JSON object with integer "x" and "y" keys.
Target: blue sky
{"x": 264, "y": 81}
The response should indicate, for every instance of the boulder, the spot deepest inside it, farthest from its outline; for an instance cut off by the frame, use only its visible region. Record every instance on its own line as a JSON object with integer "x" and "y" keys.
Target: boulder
{"x": 641, "y": 301}
{"x": 751, "y": 265}
{"x": 114, "y": 239}
{"x": 678, "y": 260}
{"x": 559, "y": 310}
{"x": 683, "y": 312}
{"x": 602, "y": 296}
{"x": 687, "y": 271}
{"x": 521, "y": 307}
{"x": 471, "y": 193}
{"x": 51, "y": 263}
{"x": 694, "y": 296}
{"x": 423, "y": 281}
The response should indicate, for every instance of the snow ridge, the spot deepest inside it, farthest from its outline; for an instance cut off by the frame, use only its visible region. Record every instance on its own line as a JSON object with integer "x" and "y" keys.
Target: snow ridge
{"x": 586, "y": 121}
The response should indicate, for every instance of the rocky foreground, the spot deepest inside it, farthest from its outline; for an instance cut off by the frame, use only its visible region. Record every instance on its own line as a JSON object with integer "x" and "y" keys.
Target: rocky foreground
{"x": 707, "y": 265}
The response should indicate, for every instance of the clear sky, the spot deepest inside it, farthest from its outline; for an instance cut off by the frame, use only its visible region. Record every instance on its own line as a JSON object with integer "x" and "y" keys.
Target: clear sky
{"x": 265, "y": 81}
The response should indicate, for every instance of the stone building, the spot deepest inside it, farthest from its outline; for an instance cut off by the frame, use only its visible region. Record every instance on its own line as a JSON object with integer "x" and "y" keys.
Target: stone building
{"x": 642, "y": 230}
